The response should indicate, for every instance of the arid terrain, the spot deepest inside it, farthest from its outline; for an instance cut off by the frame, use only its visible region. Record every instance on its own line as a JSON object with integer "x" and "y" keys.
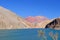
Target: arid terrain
{"x": 9, "y": 20}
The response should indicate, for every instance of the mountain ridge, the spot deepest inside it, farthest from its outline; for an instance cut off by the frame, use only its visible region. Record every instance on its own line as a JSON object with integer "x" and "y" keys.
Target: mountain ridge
{"x": 9, "y": 20}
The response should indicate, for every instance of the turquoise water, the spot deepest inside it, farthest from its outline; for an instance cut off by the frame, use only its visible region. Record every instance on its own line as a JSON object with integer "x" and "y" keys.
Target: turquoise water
{"x": 27, "y": 34}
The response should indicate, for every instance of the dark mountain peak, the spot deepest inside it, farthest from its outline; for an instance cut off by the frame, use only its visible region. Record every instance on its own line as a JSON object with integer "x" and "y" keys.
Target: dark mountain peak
{"x": 55, "y": 24}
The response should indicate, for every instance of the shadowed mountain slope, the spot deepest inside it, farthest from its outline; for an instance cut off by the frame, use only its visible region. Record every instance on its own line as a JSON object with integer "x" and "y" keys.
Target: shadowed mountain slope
{"x": 55, "y": 24}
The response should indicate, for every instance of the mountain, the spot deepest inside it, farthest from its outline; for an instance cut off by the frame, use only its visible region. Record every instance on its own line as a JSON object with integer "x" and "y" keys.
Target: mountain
{"x": 38, "y": 21}
{"x": 54, "y": 24}
{"x": 9, "y": 20}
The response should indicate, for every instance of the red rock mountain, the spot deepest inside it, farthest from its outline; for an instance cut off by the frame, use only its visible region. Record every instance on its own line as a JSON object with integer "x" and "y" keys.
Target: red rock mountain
{"x": 36, "y": 19}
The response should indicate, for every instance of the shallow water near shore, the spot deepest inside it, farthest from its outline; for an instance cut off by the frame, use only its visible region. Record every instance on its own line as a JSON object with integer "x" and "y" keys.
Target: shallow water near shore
{"x": 28, "y": 34}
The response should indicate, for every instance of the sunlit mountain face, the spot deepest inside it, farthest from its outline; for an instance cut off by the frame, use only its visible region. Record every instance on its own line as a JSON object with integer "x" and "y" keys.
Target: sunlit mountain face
{"x": 9, "y": 20}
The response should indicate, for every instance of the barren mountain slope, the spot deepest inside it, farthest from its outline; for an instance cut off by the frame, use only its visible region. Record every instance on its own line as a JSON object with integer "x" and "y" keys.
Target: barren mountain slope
{"x": 9, "y": 20}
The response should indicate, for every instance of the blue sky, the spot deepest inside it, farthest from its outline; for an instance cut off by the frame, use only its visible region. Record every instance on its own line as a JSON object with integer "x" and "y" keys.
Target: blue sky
{"x": 24, "y": 8}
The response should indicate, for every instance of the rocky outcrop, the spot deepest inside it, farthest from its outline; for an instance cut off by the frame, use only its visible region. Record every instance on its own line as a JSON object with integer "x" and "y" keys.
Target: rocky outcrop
{"x": 55, "y": 24}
